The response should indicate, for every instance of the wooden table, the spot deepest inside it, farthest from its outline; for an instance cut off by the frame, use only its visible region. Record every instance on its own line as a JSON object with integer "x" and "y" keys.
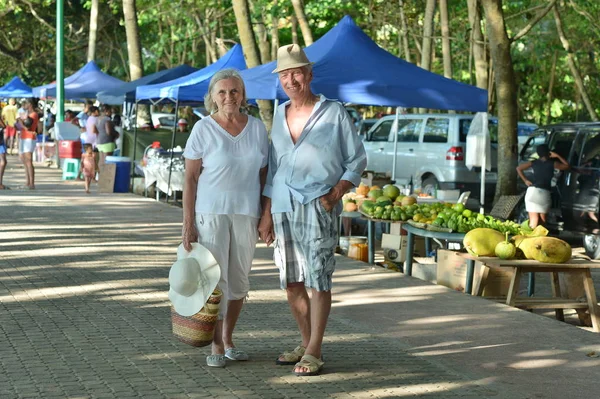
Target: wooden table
{"x": 579, "y": 266}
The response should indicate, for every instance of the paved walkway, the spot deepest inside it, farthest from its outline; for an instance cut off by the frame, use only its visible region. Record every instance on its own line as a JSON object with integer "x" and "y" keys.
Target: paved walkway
{"x": 84, "y": 313}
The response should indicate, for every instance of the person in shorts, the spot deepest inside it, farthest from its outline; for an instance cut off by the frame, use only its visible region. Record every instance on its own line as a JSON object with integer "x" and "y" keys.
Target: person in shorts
{"x": 26, "y": 148}
{"x": 315, "y": 158}
{"x": 538, "y": 196}
{"x": 3, "y": 151}
{"x": 9, "y": 116}
{"x": 107, "y": 135}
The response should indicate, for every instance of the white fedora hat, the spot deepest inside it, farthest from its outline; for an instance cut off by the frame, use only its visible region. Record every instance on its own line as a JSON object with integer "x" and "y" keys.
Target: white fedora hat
{"x": 192, "y": 279}
{"x": 291, "y": 56}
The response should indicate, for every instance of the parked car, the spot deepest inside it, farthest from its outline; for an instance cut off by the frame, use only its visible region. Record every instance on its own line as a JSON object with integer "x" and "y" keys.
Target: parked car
{"x": 364, "y": 126}
{"x": 430, "y": 150}
{"x": 575, "y": 192}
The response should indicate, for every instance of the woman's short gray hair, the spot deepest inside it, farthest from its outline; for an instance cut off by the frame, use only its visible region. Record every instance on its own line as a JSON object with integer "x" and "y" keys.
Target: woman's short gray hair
{"x": 209, "y": 103}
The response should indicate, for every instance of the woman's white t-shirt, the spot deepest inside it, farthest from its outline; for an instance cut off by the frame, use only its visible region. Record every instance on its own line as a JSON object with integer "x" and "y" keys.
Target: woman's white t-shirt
{"x": 229, "y": 183}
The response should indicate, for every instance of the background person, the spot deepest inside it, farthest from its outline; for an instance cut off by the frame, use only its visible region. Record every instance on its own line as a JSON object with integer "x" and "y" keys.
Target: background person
{"x": 107, "y": 135}
{"x": 85, "y": 114}
{"x": 225, "y": 169}
{"x": 26, "y": 148}
{"x": 315, "y": 158}
{"x": 9, "y": 116}
{"x": 91, "y": 131}
{"x": 182, "y": 126}
{"x": 88, "y": 166}
{"x": 538, "y": 196}
{"x": 2, "y": 155}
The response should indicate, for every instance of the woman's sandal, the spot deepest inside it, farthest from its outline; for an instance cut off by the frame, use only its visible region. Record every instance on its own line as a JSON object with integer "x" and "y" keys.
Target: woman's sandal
{"x": 292, "y": 357}
{"x": 311, "y": 363}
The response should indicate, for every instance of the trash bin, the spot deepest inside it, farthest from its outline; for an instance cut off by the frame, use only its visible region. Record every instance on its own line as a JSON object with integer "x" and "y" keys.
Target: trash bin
{"x": 122, "y": 174}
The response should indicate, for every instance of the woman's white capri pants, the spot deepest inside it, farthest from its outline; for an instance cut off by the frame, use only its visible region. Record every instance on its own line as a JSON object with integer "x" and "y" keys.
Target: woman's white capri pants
{"x": 232, "y": 240}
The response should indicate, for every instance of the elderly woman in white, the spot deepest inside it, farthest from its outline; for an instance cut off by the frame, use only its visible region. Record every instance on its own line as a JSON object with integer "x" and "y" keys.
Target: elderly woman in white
{"x": 225, "y": 169}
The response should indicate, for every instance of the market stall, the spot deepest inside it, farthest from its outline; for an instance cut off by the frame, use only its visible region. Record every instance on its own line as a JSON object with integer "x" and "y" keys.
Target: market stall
{"x": 163, "y": 168}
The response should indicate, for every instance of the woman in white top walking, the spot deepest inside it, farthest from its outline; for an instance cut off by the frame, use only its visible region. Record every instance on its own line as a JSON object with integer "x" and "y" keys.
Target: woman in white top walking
{"x": 225, "y": 170}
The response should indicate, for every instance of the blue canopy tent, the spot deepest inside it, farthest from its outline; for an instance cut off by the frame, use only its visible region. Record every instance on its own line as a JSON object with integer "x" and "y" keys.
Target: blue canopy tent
{"x": 85, "y": 83}
{"x": 188, "y": 89}
{"x": 193, "y": 87}
{"x": 126, "y": 92}
{"x": 15, "y": 89}
{"x": 351, "y": 67}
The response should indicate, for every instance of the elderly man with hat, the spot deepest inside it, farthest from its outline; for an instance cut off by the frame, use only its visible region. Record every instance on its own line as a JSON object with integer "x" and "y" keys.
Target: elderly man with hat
{"x": 316, "y": 156}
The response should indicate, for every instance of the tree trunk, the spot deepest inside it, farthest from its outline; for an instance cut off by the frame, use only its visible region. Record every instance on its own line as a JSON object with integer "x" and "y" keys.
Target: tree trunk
{"x": 134, "y": 47}
{"x": 427, "y": 34}
{"x": 506, "y": 90}
{"x": 211, "y": 52}
{"x": 573, "y": 66}
{"x": 242, "y": 18}
{"x": 446, "y": 51}
{"x": 477, "y": 44}
{"x": 427, "y": 39}
{"x": 261, "y": 34}
{"x": 550, "y": 88}
{"x": 274, "y": 31}
{"x": 404, "y": 31}
{"x": 294, "y": 29}
{"x": 134, "y": 52}
{"x": 93, "y": 31}
{"x": 303, "y": 22}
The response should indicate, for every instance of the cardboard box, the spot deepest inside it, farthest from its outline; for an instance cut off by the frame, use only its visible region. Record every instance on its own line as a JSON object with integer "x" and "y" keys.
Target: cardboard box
{"x": 106, "y": 179}
{"x": 425, "y": 269}
{"x": 394, "y": 247}
{"x": 399, "y": 244}
{"x": 452, "y": 273}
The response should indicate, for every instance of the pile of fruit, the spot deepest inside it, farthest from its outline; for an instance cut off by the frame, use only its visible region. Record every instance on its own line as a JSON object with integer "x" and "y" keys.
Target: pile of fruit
{"x": 389, "y": 204}
{"x": 533, "y": 244}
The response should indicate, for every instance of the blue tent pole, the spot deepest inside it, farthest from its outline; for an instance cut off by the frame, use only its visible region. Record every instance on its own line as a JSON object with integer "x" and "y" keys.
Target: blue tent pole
{"x": 172, "y": 147}
{"x": 134, "y": 145}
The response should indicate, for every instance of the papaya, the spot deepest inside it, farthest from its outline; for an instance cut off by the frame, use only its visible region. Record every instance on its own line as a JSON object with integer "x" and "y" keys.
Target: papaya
{"x": 546, "y": 249}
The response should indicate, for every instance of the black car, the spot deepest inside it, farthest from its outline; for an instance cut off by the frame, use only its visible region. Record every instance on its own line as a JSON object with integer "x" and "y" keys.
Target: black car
{"x": 575, "y": 192}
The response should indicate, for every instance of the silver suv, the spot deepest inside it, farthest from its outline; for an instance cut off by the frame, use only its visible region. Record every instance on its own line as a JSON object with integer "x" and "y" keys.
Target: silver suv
{"x": 431, "y": 150}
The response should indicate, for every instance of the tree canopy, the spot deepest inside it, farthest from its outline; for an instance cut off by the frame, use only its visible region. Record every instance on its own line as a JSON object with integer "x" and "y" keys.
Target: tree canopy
{"x": 197, "y": 32}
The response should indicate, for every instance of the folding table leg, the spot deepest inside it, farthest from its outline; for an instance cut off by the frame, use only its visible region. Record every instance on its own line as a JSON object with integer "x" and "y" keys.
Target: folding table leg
{"x": 511, "y": 299}
{"x": 410, "y": 249}
{"x": 371, "y": 241}
{"x": 531, "y": 284}
{"x": 470, "y": 273}
{"x": 560, "y": 314}
{"x": 590, "y": 294}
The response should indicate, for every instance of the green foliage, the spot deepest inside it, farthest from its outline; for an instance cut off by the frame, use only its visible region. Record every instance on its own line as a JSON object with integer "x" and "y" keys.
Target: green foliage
{"x": 172, "y": 32}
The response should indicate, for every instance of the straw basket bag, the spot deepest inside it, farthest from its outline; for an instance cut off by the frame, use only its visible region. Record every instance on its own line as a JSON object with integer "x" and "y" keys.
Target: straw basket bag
{"x": 198, "y": 330}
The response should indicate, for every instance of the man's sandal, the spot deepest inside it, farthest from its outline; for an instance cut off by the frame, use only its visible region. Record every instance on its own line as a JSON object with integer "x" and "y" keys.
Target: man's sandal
{"x": 292, "y": 357}
{"x": 311, "y": 363}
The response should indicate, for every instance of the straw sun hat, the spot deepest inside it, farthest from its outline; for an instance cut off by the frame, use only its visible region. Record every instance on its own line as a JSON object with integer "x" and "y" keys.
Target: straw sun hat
{"x": 192, "y": 279}
{"x": 291, "y": 56}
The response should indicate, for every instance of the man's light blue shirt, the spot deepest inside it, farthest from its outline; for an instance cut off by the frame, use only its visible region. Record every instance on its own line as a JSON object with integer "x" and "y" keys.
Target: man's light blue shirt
{"x": 327, "y": 151}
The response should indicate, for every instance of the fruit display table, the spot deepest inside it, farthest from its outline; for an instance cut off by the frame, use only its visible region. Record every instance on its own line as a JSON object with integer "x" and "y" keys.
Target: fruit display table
{"x": 428, "y": 235}
{"x": 580, "y": 266}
